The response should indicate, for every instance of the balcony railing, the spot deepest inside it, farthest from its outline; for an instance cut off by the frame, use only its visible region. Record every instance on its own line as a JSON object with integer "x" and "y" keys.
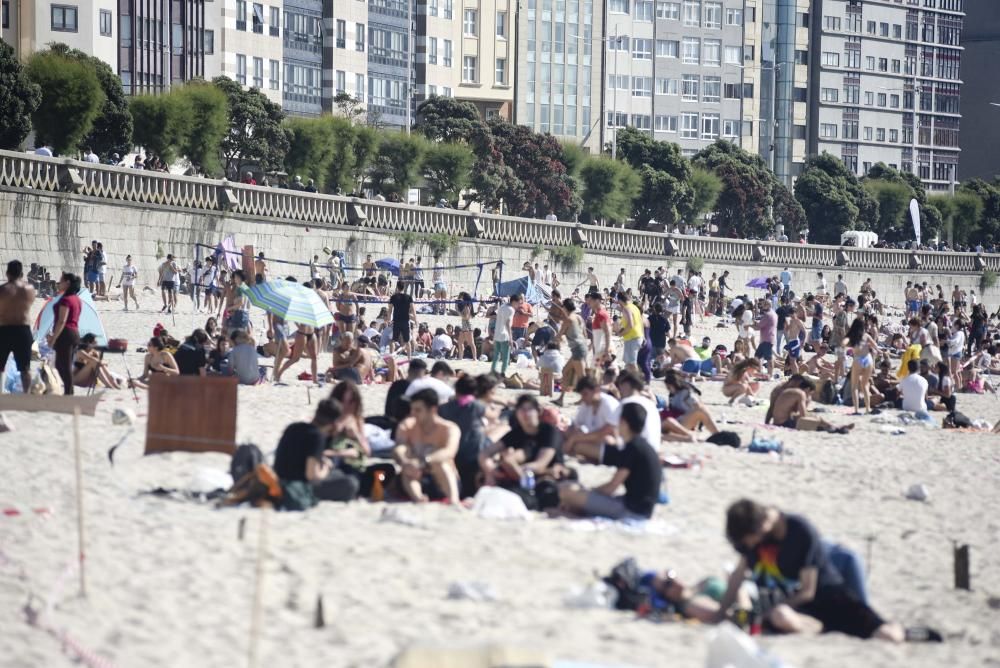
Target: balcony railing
{"x": 58, "y": 175}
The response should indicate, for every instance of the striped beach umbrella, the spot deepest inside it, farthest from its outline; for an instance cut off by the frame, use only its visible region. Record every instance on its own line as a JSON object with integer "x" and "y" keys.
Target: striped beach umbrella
{"x": 290, "y": 301}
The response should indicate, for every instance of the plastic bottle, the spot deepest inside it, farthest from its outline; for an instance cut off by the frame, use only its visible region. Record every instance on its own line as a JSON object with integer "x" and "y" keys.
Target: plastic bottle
{"x": 664, "y": 497}
{"x": 528, "y": 480}
{"x": 378, "y": 487}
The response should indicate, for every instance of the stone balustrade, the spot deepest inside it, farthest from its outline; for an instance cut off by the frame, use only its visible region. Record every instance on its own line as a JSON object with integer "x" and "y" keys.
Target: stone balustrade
{"x": 26, "y": 171}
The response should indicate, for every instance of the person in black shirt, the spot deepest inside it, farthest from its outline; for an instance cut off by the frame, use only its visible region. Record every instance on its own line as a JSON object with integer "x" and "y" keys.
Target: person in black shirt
{"x": 638, "y": 469}
{"x": 659, "y": 327}
{"x": 794, "y": 575}
{"x": 191, "y": 356}
{"x": 470, "y": 415}
{"x": 401, "y": 312}
{"x": 529, "y": 445}
{"x": 302, "y": 455}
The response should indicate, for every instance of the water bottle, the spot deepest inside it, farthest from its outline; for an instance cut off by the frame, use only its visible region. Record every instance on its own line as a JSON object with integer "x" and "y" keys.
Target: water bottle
{"x": 528, "y": 480}
{"x": 664, "y": 496}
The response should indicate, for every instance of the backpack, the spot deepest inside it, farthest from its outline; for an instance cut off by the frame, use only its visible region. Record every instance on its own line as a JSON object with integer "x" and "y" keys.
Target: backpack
{"x": 244, "y": 460}
{"x": 828, "y": 392}
{"x": 626, "y": 579}
{"x": 729, "y": 438}
{"x": 956, "y": 420}
{"x": 260, "y": 487}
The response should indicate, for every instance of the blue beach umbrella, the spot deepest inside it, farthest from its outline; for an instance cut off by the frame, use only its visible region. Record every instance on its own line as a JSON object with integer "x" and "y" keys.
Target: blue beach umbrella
{"x": 388, "y": 264}
{"x": 760, "y": 283}
{"x": 90, "y": 321}
{"x": 290, "y": 301}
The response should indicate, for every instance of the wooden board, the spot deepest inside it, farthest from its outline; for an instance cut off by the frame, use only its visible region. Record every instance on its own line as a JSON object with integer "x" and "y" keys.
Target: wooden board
{"x": 51, "y": 403}
{"x": 191, "y": 413}
{"x": 249, "y": 266}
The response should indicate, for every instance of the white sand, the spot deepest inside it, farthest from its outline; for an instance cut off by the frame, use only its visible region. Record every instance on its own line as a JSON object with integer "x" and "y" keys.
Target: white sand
{"x": 170, "y": 584}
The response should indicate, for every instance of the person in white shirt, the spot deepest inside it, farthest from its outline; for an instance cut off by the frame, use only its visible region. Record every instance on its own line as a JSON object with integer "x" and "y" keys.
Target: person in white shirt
{"x": 840, "y": 287}
{"x": 127, "y": 282}
{"x": 595, "y": 418}
{"x": 441, "y": 345}
{"x": 551, "y": 216}
{"x": 633, "y": 391}
{"x": 821, "y": 286}
{"x": 502, "y": 335}
{"x": 90, "y": 156}
{"x": 914, "y": 389}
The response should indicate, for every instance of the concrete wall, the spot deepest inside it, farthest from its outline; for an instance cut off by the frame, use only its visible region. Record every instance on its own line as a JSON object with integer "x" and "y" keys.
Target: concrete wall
{"x": 51, "y": 229}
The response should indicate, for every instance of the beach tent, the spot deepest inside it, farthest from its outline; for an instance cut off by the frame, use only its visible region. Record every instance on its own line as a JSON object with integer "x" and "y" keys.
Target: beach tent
{"x": 521, "y": 286}
{"x": 90, "y": 321}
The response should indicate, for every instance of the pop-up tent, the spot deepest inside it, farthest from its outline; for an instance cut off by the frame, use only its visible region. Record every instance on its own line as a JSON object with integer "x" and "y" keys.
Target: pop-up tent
{"x": 521, "y": 286}
{"x": 90, "y": 321}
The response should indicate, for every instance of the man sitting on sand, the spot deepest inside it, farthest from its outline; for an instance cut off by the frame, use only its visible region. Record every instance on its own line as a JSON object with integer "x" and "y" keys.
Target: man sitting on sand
{"x": 637, "y": 467}
{"x": 530, "y": 445}
{"x": 426, "y": 445}
{"x": 594, "y": 422}
{"x": 800, "y": 589}
{"x": 346, "y": 358}
{"x": 302, "y": 455}
{"x": 790, "y": 407}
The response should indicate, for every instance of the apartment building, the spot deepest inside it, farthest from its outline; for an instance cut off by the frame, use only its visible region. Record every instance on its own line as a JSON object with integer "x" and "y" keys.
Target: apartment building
{"x": 886, "y": 85}
{"x": 302, "y": 58}
{"x": 776, "y": 83}
{"x": 437, "y": 68}
{"x": 390, "y": 61}
{"x": 980, "y": 95}
{"x": 558, "y": 84}
{"x": 151, "y": 44}
{"x": 245, "y": 44}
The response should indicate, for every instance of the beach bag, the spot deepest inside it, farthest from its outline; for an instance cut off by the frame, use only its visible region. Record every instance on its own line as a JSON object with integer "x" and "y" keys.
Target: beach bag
{"x": 50, "y": 379}
{"x": 828, "y": 392}
{"x": 626, "y": 579}
{"x": 730, "y": 438}
{"x": 117, "y": 345}
{"x": 244, "y": 460}
{"x": 260, "y": 487}
{"x": 956, "y": 420}
{"x": 297, "y": 495}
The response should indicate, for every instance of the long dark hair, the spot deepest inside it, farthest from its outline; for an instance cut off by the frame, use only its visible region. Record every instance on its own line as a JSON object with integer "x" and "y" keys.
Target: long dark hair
{"x": 72, "y": 283}
{"x": 856, "y": 332}
{"x": 341, "y": 391}
{"x": 673, "y": 379}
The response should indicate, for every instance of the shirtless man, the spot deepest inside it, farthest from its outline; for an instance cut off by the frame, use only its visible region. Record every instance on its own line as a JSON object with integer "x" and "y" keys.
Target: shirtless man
{"x": 169, "y": 275}
{"x": 237, "y": 305}
{"x": 348, "y": 359}
{"x": 369, "y": 272}
{"x": 427, "y": 444}
{"x": 591, "y": 279}
{"x": 912, "y": 296}
{"x": 16, "y": 297}
{"x": 794, "y": 329}
{"x": 790, "y": 409}
{"x": 260, "y": 268}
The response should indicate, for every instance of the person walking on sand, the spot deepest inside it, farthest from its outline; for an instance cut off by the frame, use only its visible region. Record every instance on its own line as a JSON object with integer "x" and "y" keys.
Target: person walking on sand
{"x": 426, "y": 449}
{"x": 127, "y": 282}
{"x": 503, "y": 335}
{"x": 168, "y": 275}
{"x": 16, "y": 298}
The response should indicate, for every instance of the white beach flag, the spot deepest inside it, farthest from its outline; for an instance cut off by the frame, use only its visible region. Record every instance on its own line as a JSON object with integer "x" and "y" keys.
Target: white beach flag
{"x": 915, "y": 216}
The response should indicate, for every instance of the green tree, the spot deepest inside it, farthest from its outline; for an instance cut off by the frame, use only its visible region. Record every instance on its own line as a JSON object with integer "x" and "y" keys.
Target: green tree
{"x": 256, "y": 134}
{"x": 446, "y": 168}
{"x": 396, "y": 165}
{"x": 204, "y": 110}
{"x": 833, "y": 200}
{"x": 311, "y": 147}
{"x": 931, "y": 219}
{"x": 706, "y": 186}
{"x": 960, "y": 215}
{"x": 447, "y": 119}
{"x": 573, "y": 156}
{"x": 71, "y": 100}
{"x": 610, "y": 188}
{"x": 112, "y": 130}
{"x": 350, "y": 107}
{"x": 19, "y": 98}
{"x": 364, "y": 145}
{"x": 160, "y": 124}
{"x": 893, "y": 199}
{"x": 666, "y": 195}
{"x": 786, "y": 210}
{"x": 989, "y": 196}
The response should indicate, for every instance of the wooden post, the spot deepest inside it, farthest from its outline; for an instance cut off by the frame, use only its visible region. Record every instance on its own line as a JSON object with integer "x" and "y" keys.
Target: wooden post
{"x": 258, "y": 589}
{"x": 79, "y": 499}
{"x": 962, "y": 578}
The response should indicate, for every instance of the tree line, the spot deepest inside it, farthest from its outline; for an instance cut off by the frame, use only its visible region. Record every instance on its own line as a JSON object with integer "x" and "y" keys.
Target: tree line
{"x": 74, "y": 101}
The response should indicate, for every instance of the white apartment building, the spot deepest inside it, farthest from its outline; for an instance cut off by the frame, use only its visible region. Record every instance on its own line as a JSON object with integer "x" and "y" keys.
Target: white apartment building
{"x": 348, "y": 48}
{"x": 886, "y": 85}
{"x": 89, "y": 25}
{"x": 246, "y": 44}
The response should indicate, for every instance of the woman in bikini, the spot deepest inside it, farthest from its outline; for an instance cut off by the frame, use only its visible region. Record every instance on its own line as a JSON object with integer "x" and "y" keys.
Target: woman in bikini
{"x": 305, "y": 341}
{"x": 739, "y": 382}
{"x": 346, "y": 315}
{"x": 465, "y": 309}
{"x": 88, "y": 367}
{"x": 158, "y": 360}
{"x": 863, "y": 365}
{"x": 573, "y": 328}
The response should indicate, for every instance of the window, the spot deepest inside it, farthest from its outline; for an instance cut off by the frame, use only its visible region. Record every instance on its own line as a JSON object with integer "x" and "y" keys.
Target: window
{"x": 894, "y": 101}
{"x": 341, "y": 82}
{"x": 640, "y": 121}
{"x": 734, "y": 17}
{"x": 893, "y": 136}
{"x": 692, "y": 13}
{"x": 446, "y": 91}
{"x": 447, "y": 53}
{"x": 642, "y": 86}
{"x": 5, "y": 8}
{"x": 801, "y": 56}
{"x": 897, "y": 31}
{"x": 208, "y": 41}
{"x": 618, "y": 6}
{"x": 828, "y": 130}
{"x": 689, "y": 125}
{"x": 895, "y": 66}
{"x": 258, "y": 19}
{"x": 868, "y": 133}
{"x": 619, "y": 43}
{"x": 831, "y": 23}
{"x": 275, "y": 75}
{"x": 643, "y": 10}
{"x": 869, "y": 98}
{"x": 734, "y": 55}
{"x": 341, "y": 34}
{"x": 448, "y": 13}
{"x": 831, "y": 59}
{"x": 241, "y": 15}
{"x": 241, "y": 69}
{"x": 711, "y": 90}
{"x": 668, "y": 48}
{"x": 732, "y": 91}
{"x": 880, "y": 134}
{"x": 713, "y": 15}
{"x": 501, "y": 71}
{"x": 469, "y": 22}
{"x": 359, "y": 86}
{"x": 359, "y": 37}
{"x": 502, "y": 24}
{"x": 881, "y": 99}
{"x": 883, "y": 29}
{"x": 258, "y": 72}
{"x": 800, "y": 132}
{"x": 432, "y": 50}
{"x": 829, "y": 94}
{"x": 712, "y": 53}
{"x": 63, "y": 18}
{"x": 710, "y": 126}
{"x": 275, "y": 26}
{"x": 666, "y": 86}
{"x": 730, "y": 129}
{"x": 672, "y": 12}
{"x": 432, "y": 7}
{"x": 642, "y": 49}
{"x": 105, "y": 19}
{"x": 617, "y": 119}
{"x": 870, "y": 63}
{"x": 883, "y": 64}
{"x": 665, "y": 123}
{"x": 871, "y": 27}
{"x": 469, "y": 69}
{"x": 692, "y": 50}
{"x": 689, "y": 87}
{"x": 850, "y": 129}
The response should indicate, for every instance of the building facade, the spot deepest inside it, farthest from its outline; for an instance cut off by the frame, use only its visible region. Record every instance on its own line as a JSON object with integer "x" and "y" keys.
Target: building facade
{"x": 302, "y": 58}
{"x": 886, "y": 85}
{"x": 558, "y": 81}
{"x": 980, "y": 94}
{"x": 246, "y": 44}
{"x": 390, "y": 61}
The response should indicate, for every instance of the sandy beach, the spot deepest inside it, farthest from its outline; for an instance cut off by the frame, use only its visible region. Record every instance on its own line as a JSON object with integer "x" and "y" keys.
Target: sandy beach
{"x": 171, "y": 584}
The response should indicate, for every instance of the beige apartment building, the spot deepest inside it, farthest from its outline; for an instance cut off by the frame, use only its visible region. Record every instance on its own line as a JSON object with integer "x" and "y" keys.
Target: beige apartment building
{"x": 465, "y": 49}
{"x": 90, "y": 26}
{"x": 244, "y": 43}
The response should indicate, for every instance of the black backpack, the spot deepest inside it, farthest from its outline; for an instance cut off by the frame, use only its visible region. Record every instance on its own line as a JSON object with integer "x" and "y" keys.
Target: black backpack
{"x": 245, "y": 459}
{"x": 828, "y": 392}
{"x": 625, "y": 579}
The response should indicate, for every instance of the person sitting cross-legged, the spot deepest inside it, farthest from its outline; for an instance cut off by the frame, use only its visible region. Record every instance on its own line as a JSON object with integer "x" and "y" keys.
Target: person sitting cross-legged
{"x": 302, "y": 454}
{"x": 426, "y": 445}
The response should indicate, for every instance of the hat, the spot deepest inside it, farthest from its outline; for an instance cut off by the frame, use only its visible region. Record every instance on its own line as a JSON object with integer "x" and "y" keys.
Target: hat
{"x": 159, "y": 328}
